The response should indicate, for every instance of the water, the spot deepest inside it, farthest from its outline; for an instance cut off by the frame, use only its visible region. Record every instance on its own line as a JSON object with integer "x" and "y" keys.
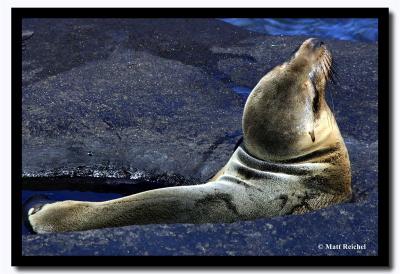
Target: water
{"x": 61, "y": 195}
{"x": 350, "y": 29}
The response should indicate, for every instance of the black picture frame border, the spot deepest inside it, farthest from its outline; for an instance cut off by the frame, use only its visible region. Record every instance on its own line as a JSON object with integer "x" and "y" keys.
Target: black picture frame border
{"x": 382, "y": 14}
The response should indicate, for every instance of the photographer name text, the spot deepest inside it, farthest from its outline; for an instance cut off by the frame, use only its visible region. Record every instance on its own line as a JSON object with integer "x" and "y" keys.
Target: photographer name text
{"x": 343, "y": 246}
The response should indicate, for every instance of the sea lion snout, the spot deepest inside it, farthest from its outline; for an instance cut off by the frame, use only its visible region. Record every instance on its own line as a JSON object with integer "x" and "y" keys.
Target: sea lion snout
{"x": 312, "y": 56}
{"x": 314, "y": 43}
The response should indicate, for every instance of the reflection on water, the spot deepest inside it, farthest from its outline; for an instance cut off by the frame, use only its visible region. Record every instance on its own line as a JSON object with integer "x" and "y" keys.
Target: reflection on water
{"x": 352, "y": 29}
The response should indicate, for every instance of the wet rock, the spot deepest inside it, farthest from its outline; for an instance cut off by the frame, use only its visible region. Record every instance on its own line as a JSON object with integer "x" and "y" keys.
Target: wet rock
{"x": 289, "y": 235}
{"x": 97, "y": 102}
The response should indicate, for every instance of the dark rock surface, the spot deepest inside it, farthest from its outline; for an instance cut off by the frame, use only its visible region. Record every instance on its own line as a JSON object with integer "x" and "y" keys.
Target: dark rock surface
{"x": 294, "y": 235}
{"x": 148, "y": 99}
{"x": 109, "y": 98}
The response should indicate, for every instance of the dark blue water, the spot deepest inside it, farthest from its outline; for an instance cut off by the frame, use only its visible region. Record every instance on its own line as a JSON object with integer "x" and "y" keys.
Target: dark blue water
{"x": 351, "y": 29}
{"x": 61, "y": 195}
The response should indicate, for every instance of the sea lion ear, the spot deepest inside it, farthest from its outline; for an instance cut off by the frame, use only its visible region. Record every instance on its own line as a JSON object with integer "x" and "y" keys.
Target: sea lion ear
{"x": 312, "y": 135}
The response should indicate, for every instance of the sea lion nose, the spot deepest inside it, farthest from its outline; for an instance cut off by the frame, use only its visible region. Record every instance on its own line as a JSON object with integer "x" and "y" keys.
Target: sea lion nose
{"x": 316, "y": 43}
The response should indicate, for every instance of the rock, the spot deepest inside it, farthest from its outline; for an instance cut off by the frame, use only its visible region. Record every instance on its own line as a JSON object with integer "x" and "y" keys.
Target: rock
{"x": 119, "y": 108}
{"x": 151, "y": 101}
{"x": 286, "y": 236}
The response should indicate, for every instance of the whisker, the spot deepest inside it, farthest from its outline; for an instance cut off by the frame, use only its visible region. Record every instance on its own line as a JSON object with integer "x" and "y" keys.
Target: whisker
{"x": 330, "y": 73}
{"x": 335, "y": 75}
{"x": 327, "y": 61}
{"x": 332, "y": 69}
{"x": 324, "y": 69}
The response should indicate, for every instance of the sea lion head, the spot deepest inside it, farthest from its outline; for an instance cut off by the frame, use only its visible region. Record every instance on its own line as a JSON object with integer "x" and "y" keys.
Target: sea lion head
{"x": 286, "y": 115}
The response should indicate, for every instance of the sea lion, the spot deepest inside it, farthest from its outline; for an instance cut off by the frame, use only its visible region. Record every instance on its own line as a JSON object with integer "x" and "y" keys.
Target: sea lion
{"x": 292, "y": 160}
